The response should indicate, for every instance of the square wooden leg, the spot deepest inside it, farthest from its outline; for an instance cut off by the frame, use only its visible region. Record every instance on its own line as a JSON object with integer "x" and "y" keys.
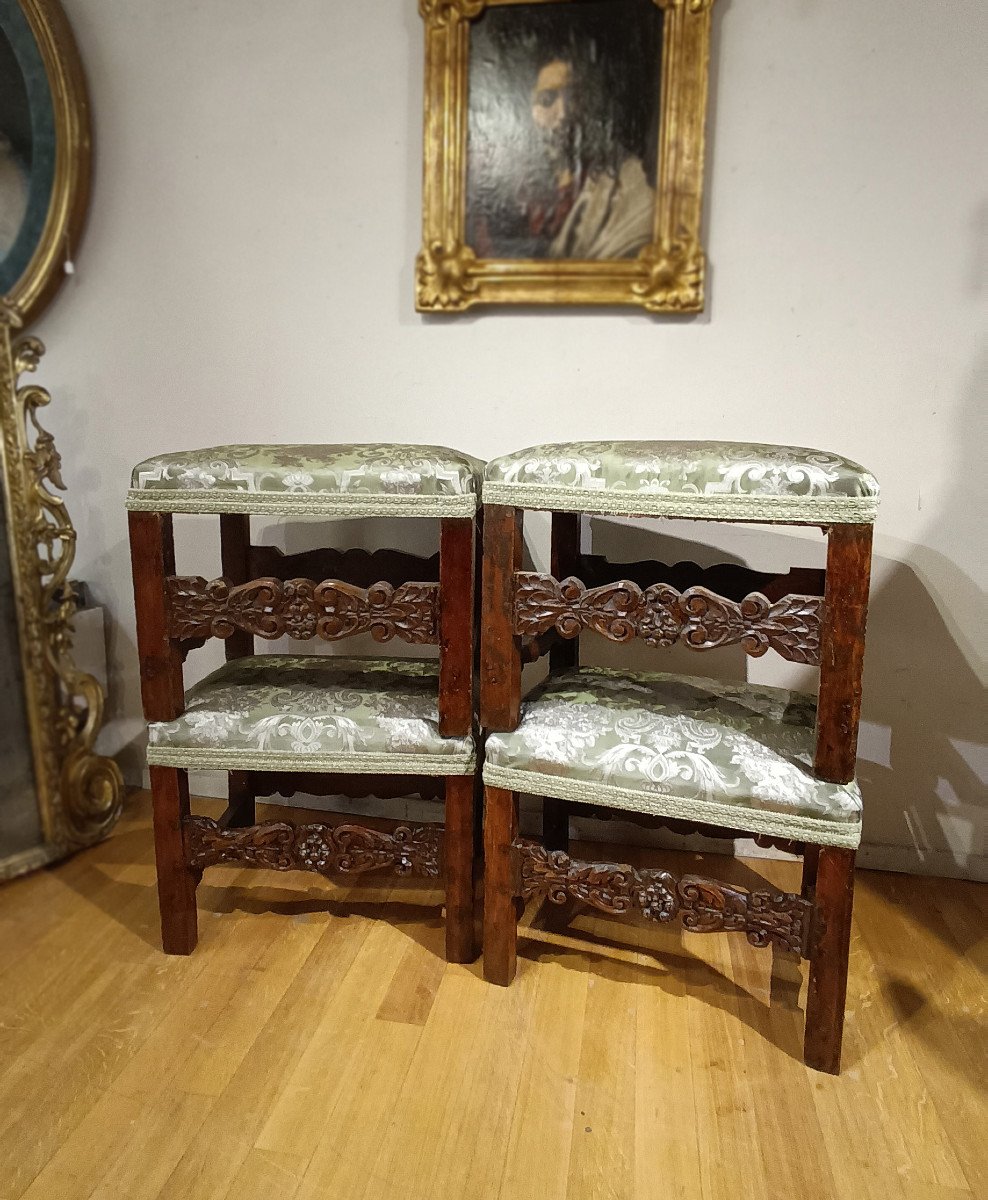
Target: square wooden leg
{"x": 460, "y": 940}
{"x": 176, "y": 882}
{"x": 827, "y": 989}
{"x": 500, "y": 916}
{"x": 241, "y": 793}
{"x": 555, "y": 824}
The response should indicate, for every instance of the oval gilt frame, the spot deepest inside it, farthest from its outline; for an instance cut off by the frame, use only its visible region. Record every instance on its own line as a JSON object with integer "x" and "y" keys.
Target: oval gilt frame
{"x": 69, "y": 202}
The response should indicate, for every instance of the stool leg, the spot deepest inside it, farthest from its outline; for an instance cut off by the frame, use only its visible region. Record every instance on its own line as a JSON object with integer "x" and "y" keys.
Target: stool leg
{"x": 176, "y": 881}
{"x": 500, "y": 917}
{"x": 827, "y": 989}
{"x": 555, "y": 824}
{"x": 460, "y": 942}
{"x": 811, "y": 857}
{"x": 241, "y": 793}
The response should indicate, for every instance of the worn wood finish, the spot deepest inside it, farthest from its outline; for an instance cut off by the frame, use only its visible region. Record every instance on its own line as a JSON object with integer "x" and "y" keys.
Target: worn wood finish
{"x": 564, "y": 560}
{"x": 458, "y": 859}
{"x": 385, "y": 787}
{"x": 842, "y": 651}
{"x": 313, "y": 1009}
{"x": 726, "y": 579}
{"x": 358, "y": 567}
{"x": 662, "y": 616}
{"x": 176, "y": 879}
{"x": 825, "y": 996}
{"x": 328, "y": 848}
{"x": 703, "y": 905}
{"x": 500, "y": 885}
{"x": 302, "y": 608}
{"x": 152, "y": 554}
{"x": 500, "y": 669}
{"x": 235, "y": 566}
{"x": 241, "y": 809}
{"x": 456, "y": 627}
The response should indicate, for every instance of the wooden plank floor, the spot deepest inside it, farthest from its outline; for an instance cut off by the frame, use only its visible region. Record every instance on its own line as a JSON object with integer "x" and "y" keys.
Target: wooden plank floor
{"x": 316, "y": 1045}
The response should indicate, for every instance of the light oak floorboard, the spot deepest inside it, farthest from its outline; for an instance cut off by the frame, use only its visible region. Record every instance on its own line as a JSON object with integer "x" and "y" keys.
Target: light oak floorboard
{"x": 316, "y": 1044}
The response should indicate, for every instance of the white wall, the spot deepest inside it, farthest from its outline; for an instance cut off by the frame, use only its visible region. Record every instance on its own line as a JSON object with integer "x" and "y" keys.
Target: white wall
{"x": 247, "y": 276}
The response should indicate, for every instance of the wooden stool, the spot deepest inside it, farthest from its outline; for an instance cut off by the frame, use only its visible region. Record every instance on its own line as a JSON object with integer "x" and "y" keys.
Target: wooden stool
{"x": 316, "y": 724}
{"x": 729, "y": 759}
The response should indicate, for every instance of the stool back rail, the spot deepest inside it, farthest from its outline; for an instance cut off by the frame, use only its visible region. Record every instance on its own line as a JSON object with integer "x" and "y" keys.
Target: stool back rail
{"x": 807, "y": 616}
{"x": 331, "y": 595}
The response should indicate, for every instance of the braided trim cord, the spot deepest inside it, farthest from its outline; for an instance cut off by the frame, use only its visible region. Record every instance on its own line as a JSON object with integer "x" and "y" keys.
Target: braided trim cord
{"x": 817, "y": 831}
{"x": 300, "y": 504}
{"x": 356, "y": 764}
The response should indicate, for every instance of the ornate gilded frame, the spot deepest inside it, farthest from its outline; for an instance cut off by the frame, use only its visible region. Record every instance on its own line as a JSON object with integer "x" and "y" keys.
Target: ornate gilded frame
{"x": 78, "y": 792}
{"x": 666, "y": 277}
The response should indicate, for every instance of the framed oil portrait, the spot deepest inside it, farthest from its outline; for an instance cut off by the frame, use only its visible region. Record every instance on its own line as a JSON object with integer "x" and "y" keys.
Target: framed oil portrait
{"x": 45, "y": 146}
{"x": 563, "y": 158}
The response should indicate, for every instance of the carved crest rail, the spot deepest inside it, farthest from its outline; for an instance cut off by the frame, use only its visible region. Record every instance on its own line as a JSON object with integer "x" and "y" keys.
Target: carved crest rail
{"x": 302, "y": 609}
{"x": 703, "y": 905}
{"x": 325, "y": 849}
{"x": 662, "y": 616}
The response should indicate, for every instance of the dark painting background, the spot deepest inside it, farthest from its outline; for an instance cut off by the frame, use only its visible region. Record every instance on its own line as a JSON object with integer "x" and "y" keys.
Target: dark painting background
{"x": 615, "y": 47}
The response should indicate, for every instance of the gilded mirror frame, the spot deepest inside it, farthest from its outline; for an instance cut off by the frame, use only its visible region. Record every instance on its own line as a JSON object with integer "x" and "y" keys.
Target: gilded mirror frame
{"x": 667, "y": 276}
{"x": 78, "y": 792}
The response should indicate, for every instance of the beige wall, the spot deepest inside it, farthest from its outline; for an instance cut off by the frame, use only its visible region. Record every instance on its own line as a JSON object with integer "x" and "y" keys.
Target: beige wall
{"x": 247, "y": 276}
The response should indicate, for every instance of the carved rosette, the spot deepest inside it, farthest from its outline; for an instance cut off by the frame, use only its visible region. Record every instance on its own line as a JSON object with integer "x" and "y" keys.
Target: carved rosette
{"x": 662, "y": 616}
{"x": 443, "y": 276}
{"x": 79, "y": 792}
{"x": 703, "y": 905}
{"x": 325, "y": 849}
{"x": 672, "y": 278}
{"x": 302, "y": 609}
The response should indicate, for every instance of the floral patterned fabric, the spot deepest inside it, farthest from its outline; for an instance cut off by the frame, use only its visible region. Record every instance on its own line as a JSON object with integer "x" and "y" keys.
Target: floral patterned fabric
{"x": 689, "y": 479}
{"x": 737, "y": 755}
{"x": 314, "y": 713}
{"x": 374, "y": 479}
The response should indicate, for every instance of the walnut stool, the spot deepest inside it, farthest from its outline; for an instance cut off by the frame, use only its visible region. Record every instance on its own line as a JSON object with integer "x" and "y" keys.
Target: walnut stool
{"x": 317, "y": 724}
{"x": 730, "y": 759}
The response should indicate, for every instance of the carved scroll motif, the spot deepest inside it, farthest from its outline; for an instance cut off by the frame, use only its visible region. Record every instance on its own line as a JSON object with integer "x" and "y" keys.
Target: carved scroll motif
{"x": 303, "y": 609}
{"x": 326, "y": 849}
{"x": 661, "y": 616}
{"x": 703, "y": 905}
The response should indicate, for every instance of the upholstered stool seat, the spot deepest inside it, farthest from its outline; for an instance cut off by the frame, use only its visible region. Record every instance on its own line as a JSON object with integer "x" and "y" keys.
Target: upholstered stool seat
{"x": 730, "y": 754}
{"x": 351, "y": 480}
{"x": 314, "y": 713}
{"x": 717, "y": 480}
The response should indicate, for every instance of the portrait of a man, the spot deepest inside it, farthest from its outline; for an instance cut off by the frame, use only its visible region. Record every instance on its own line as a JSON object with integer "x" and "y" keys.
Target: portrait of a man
{"x": 563, "y": 130}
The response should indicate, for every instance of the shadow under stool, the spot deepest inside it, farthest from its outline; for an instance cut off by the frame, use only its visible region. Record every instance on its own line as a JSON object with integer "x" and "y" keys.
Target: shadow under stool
{"x": 726, "y": 759}
{"x": 319, "y": 724}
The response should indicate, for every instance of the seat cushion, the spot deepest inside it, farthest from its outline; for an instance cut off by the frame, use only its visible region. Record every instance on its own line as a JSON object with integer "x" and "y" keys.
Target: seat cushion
{"x": 735, "y": 755}
{"x": 375, "y": 479}
{"x": 314, "y": 713}
{"x": 723, "y": 480}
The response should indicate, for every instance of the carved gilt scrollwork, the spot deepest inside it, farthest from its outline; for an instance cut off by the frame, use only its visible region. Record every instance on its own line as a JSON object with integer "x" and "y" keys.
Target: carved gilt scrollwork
{"x": 703, "y": 905}
{"x": 662, "y": 616}
{"x": 325, "y": 849}
{"x": 302, "y": 609}
{"x": 440, "y": 12}
{"x": 79, "y": 792}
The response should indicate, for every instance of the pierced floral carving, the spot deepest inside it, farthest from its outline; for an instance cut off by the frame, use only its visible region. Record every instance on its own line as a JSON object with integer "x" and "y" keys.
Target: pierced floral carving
{"x": 703, "y": 905}
{"x": 325, "y": 849}
{"x": 661, "y": 616}
{"x": 302, "y": 609}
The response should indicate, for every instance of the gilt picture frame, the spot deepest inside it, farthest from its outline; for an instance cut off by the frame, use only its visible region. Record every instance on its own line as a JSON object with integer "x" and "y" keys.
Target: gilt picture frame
{"x": 563, "y": 153}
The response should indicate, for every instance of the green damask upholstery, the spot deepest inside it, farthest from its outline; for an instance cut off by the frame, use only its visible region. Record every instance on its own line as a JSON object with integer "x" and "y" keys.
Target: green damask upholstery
{"x": 735, "y": 755}
{"x": 314, "y": 713}
{"x": 352, "y": 480}
{"x": 719, "y": 480}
